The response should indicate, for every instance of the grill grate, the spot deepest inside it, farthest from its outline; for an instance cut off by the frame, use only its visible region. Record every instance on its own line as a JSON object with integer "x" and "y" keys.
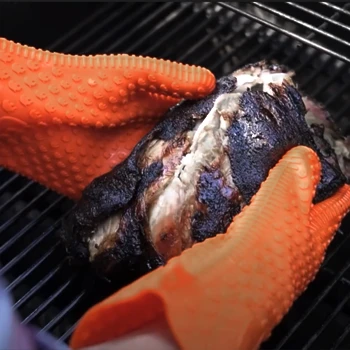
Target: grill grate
{"x": 310, "y": 38}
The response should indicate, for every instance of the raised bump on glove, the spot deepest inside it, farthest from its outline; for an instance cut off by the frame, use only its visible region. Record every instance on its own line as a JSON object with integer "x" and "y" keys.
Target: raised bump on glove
{"x": 64, "y": 158}
{"x": 103, "y": 90}
{"x": 230, "y": 291}
{"x": 65, "y": 120}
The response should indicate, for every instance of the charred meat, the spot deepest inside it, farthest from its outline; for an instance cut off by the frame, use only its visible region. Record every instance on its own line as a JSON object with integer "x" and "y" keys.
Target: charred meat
{"x": 187, "y": 179}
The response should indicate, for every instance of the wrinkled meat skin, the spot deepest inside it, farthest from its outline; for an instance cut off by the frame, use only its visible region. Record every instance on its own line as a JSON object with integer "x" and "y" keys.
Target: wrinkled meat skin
{"x": 265, "y": 129}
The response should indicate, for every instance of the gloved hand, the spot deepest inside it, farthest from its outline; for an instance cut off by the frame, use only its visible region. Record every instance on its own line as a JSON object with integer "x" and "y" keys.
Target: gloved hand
{"x": 230, "y": 291}
{"x": 65, "y": 120}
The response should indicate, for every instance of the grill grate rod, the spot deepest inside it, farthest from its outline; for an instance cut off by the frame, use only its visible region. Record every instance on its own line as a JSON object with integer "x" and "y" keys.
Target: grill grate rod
{"x": 301, "y": 23}
{"x": 224, "y": 58}
{"x": 316, "y": 14}
{"x": 63, "y": 313}
{"x": 93, "y": 43}
{"x": 210, "y": 36}
{"x": 317, "y": 301}
{"x": 88, "y": 22}
{"x": 337, "y": 8}
{"x": 15, "y": 196}
{"x": 343, "y": 336}
{"x": 171, "y": 33}
{"x": 43, "y": 306}
{"x": 34, "y": 266}
{"x": 323, "y": 86}
{"x": 37, "y": 286}
{"x": 87, "y": 38}
{"x": 25, "y": 251}
{"x": 332, "y": 98}
{"x": 8, "y": 182}
{"x": 68, "y": 333}
{"x": 316, "y": 72}
{"x": 167, "y": 34}
{"x": 21, "y": 212}
{"x": 34, "y": 222}
{"x": 330, "y": 318}
{"x": 160, "y": 11}
{"x": 331, "y": 254}
{"x": 190, "y": 35}
{"x": 284, "y": 31}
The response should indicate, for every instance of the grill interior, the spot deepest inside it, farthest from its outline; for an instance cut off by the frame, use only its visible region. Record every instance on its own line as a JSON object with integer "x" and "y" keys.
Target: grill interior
{"x": 310, "y": 38}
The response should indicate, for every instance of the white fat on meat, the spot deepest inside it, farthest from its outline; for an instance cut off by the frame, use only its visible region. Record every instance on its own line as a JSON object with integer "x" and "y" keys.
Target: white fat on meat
{"x": 170, "y": 214}
{"x": 247, "y": 78}
{"x": 105, "y": 233}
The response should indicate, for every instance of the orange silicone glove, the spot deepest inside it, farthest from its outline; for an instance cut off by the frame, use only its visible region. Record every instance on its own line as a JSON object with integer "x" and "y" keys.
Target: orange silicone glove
{"x": 65, "y": 120}
{"x": 230, "y": 291}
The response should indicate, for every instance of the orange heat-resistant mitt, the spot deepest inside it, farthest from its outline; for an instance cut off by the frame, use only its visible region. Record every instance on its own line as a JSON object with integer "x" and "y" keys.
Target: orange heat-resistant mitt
{"x": 230, "y": 291}
{"x": 65, "y": 120}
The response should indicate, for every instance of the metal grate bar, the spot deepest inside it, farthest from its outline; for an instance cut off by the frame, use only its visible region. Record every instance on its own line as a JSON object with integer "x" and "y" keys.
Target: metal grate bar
{"x": 23, "y": 211}
{"x": 336, "y": 250}
{"x": 15, "y": 196}
{"x": 323, "y": 86}
{"x": 25, "y": 251}
{"x": 337, "y": 8}
{"x": 255, "y": 50}
{"x": 310, "y": 36}
{"x": 47, "y": 302}
{"x": 301, "y": 23}
{"x": 67, "y": 334}
{"x": 333, "y": 97}
{"x": 88, "y": 22}
{"x": 160, "y": 26}
{"x": 215, "y": 49}
{"x": 108, "y": 34}
{"x": 193, "y": 32}
{"x": 313, "y": 306}
{"x": 159, "y": 12}
{"x": 33, "y": 267}
{"x": 203, "y": 40}
{"x": 318, "y": 15}
{"x": 63, "y": 313}
{"x": 8, "y": 182}
{"x": 34, "y": 222}
{"x": 39, "y": 285}
{"x": 327, "y": 322}
{"x": 171, "y": 33}
{"x": 284, "y": 31}
{"x": 340, "y": 340}
{"x": 93, "y": 29}
{"x": 316, "y": 72}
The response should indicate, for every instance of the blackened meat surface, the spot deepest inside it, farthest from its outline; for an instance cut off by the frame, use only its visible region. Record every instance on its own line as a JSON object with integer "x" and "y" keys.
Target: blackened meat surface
{"x": 187, "y": 179}
{"x": 268, "y": 128}
{"x": 120, "y": 188}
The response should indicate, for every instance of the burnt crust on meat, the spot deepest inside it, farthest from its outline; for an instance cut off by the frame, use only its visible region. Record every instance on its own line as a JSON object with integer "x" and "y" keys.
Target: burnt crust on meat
{"x": 197, "y": 169}
{"x": 115, "y": 190}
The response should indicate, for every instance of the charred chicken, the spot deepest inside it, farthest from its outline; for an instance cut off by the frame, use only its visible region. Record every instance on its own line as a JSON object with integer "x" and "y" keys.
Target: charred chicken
{"x": 187, "y": 179}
